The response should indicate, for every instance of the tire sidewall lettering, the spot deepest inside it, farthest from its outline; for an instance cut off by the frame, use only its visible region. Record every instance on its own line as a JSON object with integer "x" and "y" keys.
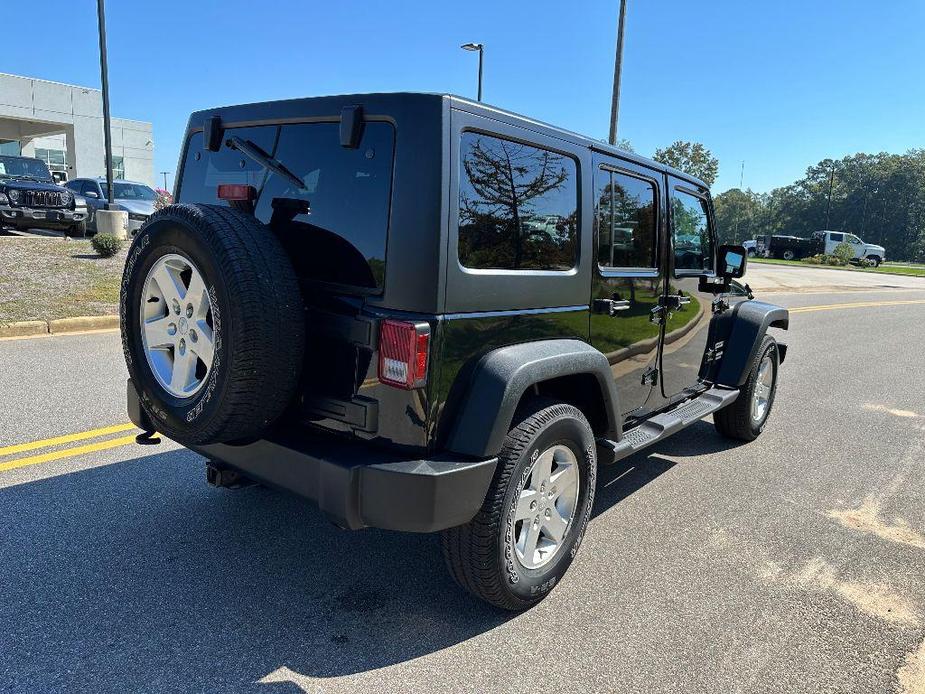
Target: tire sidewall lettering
{"x": 531, "y": 584}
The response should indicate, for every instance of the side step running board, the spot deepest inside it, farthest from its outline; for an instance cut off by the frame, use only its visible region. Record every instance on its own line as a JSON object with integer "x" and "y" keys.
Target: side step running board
{"x": 664, "y": 425}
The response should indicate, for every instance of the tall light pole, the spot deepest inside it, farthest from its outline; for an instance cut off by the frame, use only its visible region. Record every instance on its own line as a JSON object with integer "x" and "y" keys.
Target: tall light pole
{"x": 481, "y": 49}
{"x": 104, "y": 76}
{"x": 617, "y": 69}
{"x": 165, "y": 180}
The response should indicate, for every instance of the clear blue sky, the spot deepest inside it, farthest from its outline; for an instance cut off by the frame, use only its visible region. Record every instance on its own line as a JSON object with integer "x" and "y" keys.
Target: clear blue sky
{"x": 779, "y": 84}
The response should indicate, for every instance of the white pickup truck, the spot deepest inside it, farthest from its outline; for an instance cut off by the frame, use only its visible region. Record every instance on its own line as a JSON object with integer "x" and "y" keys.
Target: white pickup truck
{"x": 871, "y": 252}
{"x": 794, "y": 247}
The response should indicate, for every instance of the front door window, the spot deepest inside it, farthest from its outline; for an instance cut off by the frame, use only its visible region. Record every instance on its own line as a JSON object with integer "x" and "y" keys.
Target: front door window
{"x": 693, "y": 247}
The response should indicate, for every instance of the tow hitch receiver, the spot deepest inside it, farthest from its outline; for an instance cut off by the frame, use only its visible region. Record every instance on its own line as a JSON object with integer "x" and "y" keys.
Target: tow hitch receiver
{"x": 226, "y": 477}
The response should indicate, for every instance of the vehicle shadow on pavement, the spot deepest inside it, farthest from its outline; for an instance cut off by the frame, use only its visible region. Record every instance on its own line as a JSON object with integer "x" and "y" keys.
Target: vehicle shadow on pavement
{"x": 137, "y": 576}
{"x": 625, "y": 477}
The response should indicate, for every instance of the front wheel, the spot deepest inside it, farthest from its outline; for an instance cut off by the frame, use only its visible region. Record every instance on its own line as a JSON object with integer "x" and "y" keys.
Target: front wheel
{"x": 789, "y": 255}
{"x": 745, "y": 418}
{"x": 527, "y": 532}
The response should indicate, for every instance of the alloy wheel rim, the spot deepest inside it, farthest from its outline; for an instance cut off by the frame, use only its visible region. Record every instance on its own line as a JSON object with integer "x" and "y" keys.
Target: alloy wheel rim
{"x": 764, "y": 385}
{"x": 546, "y": 507}
{"x": 176, "y": 325}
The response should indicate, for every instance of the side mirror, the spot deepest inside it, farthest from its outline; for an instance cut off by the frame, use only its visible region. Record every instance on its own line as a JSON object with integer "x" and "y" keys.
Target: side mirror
{"x": 92, "y": 194}
{"x": 732, "y": 261}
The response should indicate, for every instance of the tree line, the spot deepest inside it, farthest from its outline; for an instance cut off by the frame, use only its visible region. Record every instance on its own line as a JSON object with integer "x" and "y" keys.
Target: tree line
{"x": 878, "y": 197}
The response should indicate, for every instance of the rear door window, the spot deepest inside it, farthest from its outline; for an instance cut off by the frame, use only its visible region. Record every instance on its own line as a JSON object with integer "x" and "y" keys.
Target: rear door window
{"x": 626, "y": 220}
{"x": 690, "y": 229}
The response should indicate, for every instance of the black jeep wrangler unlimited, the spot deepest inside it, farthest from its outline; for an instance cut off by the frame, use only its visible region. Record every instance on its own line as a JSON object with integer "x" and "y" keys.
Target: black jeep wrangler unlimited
{"x": 428, "y": 314}
{"x": 30, "y": 198}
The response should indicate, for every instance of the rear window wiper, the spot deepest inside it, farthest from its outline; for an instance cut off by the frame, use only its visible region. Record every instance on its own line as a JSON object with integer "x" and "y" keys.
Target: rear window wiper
{"x": 251, "y": 150}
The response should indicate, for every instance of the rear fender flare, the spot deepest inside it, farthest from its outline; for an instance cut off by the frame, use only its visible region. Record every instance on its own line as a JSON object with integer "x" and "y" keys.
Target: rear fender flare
{"x": 501, "y": 378}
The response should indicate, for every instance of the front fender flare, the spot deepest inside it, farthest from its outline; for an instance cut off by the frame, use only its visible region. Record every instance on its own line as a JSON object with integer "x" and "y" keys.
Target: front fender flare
{"x": 500, "y": 379}
{"x": 750, "y": 322}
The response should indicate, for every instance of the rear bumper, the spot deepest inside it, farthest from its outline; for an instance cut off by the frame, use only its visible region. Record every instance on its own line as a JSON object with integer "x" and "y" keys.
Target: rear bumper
{"x": 357, "y": 485}
{"x": 41, "y": 218}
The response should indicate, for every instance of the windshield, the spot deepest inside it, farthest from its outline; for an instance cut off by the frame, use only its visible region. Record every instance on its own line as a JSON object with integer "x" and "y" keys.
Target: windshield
{"x": 129, "y": 191}
{"x": 24, "y": 167}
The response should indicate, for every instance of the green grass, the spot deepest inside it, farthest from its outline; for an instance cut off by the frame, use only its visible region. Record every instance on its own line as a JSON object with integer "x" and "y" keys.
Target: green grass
{"x": 885, "y": 269}
{"x": 44, "y": 279}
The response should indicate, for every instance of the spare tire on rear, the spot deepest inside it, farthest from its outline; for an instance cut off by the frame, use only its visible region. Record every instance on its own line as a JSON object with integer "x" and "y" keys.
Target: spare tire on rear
{"x": 212, "y": 322}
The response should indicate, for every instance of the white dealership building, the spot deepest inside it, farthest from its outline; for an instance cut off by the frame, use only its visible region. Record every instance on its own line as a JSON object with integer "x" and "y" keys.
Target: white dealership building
{"x": 62, "y": 124}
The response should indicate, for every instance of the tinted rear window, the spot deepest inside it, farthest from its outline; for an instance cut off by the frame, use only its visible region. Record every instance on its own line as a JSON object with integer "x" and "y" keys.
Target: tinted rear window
{"x": 342, "y": 240}
{"x": 518, "y": 206}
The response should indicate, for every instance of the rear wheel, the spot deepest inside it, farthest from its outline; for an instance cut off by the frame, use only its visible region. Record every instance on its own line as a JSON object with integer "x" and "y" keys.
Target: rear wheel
{"x": 788, "y": 255}
{"x": 212, "y": 324}
{"x": 524, "y": 538}
{"x": 745, "y": 418}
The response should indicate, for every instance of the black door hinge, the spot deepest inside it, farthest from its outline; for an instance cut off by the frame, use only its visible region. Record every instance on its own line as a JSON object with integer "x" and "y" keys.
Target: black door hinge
{"x": 650, "y": 376}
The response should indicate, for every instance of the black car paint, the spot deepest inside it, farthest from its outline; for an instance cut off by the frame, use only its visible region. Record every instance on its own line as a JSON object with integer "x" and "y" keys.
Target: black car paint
{"x": 55, "y": 217}
{"x": 475, "y": 315}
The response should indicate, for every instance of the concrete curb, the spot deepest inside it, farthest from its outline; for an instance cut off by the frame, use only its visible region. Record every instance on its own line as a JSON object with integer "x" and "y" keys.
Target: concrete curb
{"x": 57, "y": 326}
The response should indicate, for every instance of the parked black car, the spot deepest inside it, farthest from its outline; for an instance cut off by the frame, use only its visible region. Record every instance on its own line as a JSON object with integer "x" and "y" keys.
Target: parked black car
{"x": 29, "y": 198}
{"x": 428, "y": 314}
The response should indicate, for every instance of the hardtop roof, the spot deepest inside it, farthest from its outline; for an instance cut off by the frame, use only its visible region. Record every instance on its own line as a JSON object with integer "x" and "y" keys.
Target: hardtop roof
{"x": 381, "y": 99}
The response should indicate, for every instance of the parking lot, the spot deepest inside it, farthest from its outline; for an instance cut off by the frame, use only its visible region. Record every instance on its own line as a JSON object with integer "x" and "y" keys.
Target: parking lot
{"x": 795, "y": 563}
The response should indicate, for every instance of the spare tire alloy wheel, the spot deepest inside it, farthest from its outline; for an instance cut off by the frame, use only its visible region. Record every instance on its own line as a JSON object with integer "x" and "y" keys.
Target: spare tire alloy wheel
{"x": 176, "y": 325}
{"x": 213, "y": 325}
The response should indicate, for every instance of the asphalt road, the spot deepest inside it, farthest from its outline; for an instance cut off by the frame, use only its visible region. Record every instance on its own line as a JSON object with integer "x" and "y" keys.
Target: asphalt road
{"x": 792, "y": 564}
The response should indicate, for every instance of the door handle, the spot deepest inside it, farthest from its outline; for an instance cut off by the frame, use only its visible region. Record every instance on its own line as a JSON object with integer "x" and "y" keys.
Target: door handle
{"x": 611, "y": 306}
{"x": 675, "y": 301}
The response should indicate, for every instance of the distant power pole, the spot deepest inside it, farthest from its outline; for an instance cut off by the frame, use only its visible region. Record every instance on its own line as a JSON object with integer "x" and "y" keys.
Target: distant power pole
{"x": 828, "y": 204}
{"x": 165, "y": 180}
{"x": 735, "y": 233}
{"x": 617, "y": 70}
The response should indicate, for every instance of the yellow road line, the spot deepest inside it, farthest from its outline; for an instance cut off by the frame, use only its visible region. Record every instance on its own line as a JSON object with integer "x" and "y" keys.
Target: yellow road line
{"x": 858, "y": 304}
{"x": 66, "y": 453}
{"x": 66, "y": 438}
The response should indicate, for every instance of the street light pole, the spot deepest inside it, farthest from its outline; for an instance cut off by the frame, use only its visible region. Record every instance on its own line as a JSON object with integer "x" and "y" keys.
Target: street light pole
{"x": 165, "y": 180}
{"x": 617, "y": 70}
{"x": 104, "y": 75}
{"x": 481, "y": 49}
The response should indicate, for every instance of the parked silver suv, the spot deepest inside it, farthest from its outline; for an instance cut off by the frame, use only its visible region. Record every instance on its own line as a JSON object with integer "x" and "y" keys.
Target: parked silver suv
{"x": 135, "y": 198}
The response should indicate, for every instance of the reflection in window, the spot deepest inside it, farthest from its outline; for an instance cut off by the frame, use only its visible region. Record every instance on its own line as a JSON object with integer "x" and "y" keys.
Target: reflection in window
{"x": 691, "y": 233}
{"x": 518, "y": 206}
{"x": 625, "y": 221}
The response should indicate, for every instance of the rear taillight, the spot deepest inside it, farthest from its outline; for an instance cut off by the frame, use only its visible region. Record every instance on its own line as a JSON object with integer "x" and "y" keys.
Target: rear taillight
{"x": 403, "y": 350}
